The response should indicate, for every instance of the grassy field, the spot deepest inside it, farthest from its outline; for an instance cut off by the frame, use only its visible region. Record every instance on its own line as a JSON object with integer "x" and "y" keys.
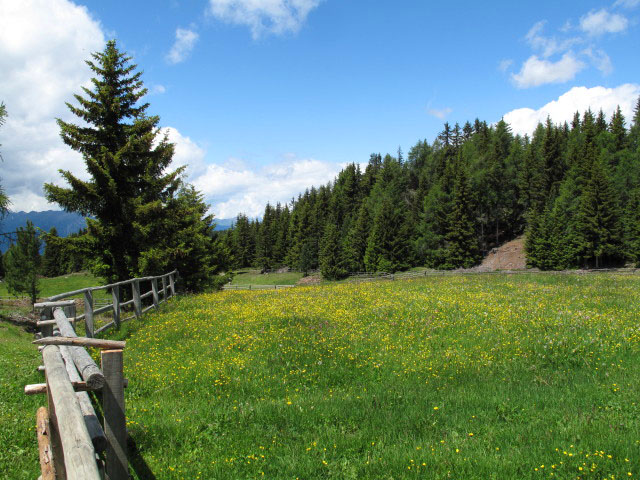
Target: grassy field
{"x": 462, "y": 377}
{"x": 18, "y": 362}
{"x": 64, "y": 283}
{"x": 474, "y": 377}
{"x": 256, "y": 278}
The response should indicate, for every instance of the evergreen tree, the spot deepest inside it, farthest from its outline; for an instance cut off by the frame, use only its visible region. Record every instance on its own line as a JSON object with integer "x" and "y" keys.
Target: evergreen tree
{"x": 243, "y": 242}
{"x": 632, "y": 228}
{"x": 186, "y": 242}
{"x": 462, "y": 241}
{"x": 129, "y": 194}
{"x": 598, "y": 220}
{"x": 52, "y": 261}
{"x": 331, "y": 256}
{"x": 22, "y": 263}
{"x": 356, "y": 241}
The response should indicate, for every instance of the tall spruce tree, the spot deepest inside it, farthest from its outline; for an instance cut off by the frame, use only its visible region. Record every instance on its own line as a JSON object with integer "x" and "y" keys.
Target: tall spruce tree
{"x": 632, "y": 228}
{"x": 462, "y": 242}
{"x": 128, "y": 161}
{"x": 22, "y": 263}
{"x": 52, "y": 261}
{"x": 332, "y": 265}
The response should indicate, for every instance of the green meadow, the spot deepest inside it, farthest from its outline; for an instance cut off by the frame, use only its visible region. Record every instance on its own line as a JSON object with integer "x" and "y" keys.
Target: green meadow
{"x": 455, "y": 377}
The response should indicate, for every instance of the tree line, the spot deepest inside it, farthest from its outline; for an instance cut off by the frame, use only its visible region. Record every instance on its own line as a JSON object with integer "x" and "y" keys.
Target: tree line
{"x": 573, "y": 188}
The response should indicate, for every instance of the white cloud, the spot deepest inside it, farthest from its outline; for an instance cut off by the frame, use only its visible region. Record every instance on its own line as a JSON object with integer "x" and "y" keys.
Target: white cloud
{"x": 157, "y": 90}
{"x": 627, "y": 3}
{"x": 185, "y": 41}
{"x": 234, "y": 188}
{"x": 578, "y": 99}
{"x": 43, "y": 48}
{"x": 439, "y": 113}
{"x": 505, "y": 64}
{"x": 601, "y": 22}
{"x": 186, "y": 153}
{"x": 599, "y": 59}
{"x": 264, "y": 16}
{"x": 536, "y": 71}
{"x": 548, "y": 46}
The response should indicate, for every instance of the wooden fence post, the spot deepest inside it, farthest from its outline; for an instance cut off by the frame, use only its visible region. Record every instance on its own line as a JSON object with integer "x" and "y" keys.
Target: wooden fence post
{"x": 88, "y": 313}
{"x": 44, "y": 444}
{"x": 154, "y": 288}
{"x": 172, "y": 285}
{"x": 46, "y": 314}
{"x": 137, "y": 303}
{"x": 164, "y": 288}
{"x": 115, "y": 295}
{"x": 115, "y": 426}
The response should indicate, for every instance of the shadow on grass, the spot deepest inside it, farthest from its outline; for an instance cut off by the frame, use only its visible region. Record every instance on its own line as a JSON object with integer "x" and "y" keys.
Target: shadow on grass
{"x": 137, "y": 463}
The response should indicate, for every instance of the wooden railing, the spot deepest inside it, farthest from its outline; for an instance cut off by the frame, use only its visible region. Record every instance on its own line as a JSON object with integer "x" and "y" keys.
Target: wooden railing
{"x": 155, "y": 294}
{"x": 73, "y": 443}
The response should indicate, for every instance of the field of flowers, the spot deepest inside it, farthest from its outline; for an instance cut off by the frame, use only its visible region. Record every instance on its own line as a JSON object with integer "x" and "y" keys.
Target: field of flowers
{"x": 462, "y": 377}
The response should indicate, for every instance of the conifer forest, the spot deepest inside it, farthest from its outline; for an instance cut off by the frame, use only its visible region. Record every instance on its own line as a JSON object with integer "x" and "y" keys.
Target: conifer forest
{"x": 573, "y": 189}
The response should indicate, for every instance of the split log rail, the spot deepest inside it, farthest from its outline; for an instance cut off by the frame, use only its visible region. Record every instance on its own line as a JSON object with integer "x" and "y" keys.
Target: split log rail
{"x": 73, "y": 442}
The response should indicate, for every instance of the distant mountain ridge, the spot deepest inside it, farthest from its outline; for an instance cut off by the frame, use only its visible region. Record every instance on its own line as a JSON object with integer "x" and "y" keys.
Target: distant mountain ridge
{"x": 66, "y": 223}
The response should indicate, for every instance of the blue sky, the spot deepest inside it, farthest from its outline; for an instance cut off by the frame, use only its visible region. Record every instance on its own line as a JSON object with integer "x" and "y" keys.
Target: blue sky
{"x": 266, "y": 97}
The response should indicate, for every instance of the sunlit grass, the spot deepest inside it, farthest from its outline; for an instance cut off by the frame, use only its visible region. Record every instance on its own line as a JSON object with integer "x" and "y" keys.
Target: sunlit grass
{"x": 505, "y": 377}
{"x": 18, "y": 444}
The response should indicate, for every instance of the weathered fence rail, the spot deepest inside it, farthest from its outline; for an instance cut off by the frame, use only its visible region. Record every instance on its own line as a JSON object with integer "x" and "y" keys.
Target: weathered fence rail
{"x": 73, "y": 444}
{"x": 116, "y": 305}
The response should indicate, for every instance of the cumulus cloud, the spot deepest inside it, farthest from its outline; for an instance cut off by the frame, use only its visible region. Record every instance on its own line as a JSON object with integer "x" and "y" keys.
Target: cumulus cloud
{"x": 234, "y": 188}
{"x": 185, "y": 41}
{"x": 602, "y": 21}
{"x": 578, "y": 99}
{"x": 43, "y": 48}
{"x": 186, "y": 152}
{"x": 536, "y": 71}
{"x": 264, "y": 16}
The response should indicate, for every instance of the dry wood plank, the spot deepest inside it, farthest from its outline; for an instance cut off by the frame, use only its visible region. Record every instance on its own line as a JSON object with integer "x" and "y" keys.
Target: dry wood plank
{"x": 172, "y": 285}
{"x": 154, "y": 289}
{"x": 40, "y": 388}
{"x": 115, "y": 295}
{"x": 137, "y": 301}
{"x": 90, "y": 418}
{"x": 79, "y": 454}
{"x": 105, "y": 327}
{"x": 82, "y": 342}
{"x": 88, "y": 314}
{"x": 43, "y": 428}
{"x": 87, "y": 368}
{"x": 65, "y": 303}
{"x": 115, "y": 426}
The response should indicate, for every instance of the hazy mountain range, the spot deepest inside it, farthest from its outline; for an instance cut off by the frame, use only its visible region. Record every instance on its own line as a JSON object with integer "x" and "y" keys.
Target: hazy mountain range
{"x": 66, "y": 223}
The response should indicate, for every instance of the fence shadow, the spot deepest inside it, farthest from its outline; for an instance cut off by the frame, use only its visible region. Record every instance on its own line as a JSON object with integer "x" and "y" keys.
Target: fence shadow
{"x": 137, "y": 463}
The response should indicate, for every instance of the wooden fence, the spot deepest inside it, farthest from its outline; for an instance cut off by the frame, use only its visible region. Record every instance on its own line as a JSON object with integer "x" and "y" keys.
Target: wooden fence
{"x": 116, "y": 306}
{"x": 72, "y": 442}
